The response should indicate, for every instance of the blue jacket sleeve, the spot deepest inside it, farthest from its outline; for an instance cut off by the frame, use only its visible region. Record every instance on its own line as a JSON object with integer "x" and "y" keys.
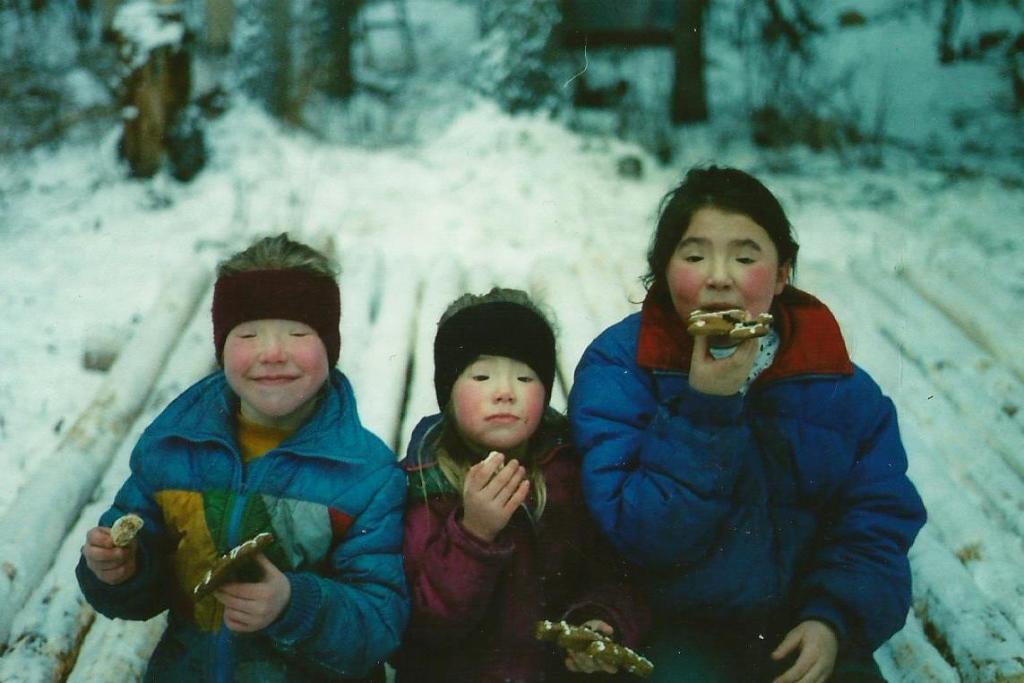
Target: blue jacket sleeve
{"x": 657, "y": 476}
{"x": 350, "y": 618}
{"x": 144, "y": 595}
{"x": 860, "y": 578}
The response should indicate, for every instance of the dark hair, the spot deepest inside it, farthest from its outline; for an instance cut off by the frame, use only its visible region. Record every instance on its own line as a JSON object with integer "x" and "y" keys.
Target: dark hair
{"x": 728, "y": 189}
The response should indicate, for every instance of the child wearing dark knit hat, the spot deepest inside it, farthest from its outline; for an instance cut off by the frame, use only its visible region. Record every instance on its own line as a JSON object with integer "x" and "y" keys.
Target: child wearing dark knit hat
{"x": 496, "y": 534}
{"x": 269, "y": 444}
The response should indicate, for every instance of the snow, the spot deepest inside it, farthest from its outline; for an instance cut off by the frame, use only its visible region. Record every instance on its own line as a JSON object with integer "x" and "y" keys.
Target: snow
{"x": 144, "y": 28}
{"x": 480, "y": 197}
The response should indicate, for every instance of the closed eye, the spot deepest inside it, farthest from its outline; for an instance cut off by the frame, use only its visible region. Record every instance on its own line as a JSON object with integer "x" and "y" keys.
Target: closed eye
{"x": 481, "y": 378}
{"x": 746, "y": 260}
{"x": 525, "y": 379}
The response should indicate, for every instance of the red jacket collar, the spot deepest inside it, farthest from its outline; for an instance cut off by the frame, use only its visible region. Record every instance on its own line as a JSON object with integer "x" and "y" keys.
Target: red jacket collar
{"x": 810, "y": 341}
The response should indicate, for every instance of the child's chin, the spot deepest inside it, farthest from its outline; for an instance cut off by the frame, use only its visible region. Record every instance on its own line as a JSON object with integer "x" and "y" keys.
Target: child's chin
{"x": 503, "y": 445}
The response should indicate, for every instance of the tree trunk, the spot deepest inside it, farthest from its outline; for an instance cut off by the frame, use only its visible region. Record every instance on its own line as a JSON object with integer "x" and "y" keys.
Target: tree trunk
{"x": 108, "y": 8}
{"x": 279, "y": 13}
{"x": 340, "y": 15}
{"x": 156, "y": 87}
{"x": 689, "y": 91}
{"x": 220, "y": 21}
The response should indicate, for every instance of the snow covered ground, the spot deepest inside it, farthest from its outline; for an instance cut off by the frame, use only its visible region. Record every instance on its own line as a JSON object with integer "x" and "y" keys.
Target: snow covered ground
{"x": 84, "y": 253}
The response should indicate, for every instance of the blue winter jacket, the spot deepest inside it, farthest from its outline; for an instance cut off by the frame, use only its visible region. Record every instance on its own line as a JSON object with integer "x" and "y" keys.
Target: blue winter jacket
{"x": 332, "y": 494}
{"x": 785, "y": 504}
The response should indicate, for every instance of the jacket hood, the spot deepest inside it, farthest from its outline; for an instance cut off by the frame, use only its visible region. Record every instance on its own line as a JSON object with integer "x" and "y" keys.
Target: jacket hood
{"x": 664, "y": 344}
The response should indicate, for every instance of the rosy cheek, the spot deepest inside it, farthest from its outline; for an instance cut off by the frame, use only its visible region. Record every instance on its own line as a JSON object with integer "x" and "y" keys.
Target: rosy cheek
{"x": 760, "y": 279}
{"x": 464, "y": 402}
{"x": 758, "y": 288}
{"x": 236, "y": 358}
{"x": 684, "y": 282}
{"x": 535, "y": 403}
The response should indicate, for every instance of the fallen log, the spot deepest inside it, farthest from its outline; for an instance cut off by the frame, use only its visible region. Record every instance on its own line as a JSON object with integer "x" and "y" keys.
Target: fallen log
{"x": 38, "y": 519}
{"x": 117, "y": 650}
{"x": 558, "y": 290}
{"x": 909, "y": 657}
{"x": 377, "y": 340}
{"x": 447, "y": 281}
{"x": 998, "y": 333}
{"x": 960, "y": 620}
{"x": 981, "y": 386}
{"x": 48, "y": 633}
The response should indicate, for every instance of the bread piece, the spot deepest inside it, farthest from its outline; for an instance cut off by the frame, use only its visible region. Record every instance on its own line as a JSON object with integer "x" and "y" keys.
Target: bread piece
{"x": 226, "y": 567}
{"x": 729, "y": 323}
{"x": 595, "y": 644}
{"x": 122, "y": 532}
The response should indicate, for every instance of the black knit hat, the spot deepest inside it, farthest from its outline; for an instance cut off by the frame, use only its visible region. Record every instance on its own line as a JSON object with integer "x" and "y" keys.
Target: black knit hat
{"x": 492, "y": 328}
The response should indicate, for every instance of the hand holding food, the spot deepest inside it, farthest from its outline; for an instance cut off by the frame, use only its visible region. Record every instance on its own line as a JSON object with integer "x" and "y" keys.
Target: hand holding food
{"x": 491, "y": 493}
{"x": 599, "y": 646}
{"x": 226, "y": 567}
{"x": 110, "y": 563}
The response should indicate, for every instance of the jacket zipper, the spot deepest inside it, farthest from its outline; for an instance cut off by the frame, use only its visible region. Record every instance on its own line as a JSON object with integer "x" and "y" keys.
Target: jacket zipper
{"x": 224, "y": 656}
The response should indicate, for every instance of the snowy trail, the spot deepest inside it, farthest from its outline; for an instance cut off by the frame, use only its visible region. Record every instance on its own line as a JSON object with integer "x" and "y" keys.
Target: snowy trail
{"x": 969, "y": 595}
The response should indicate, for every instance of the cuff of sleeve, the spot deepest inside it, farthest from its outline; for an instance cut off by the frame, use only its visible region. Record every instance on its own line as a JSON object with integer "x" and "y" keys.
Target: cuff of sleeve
{"x": 299, "y": 617}
{"x": 498, "y": 550}
{"x": 125, "y": 600}
{"x": 827, "y": 612}
{"x": 701, "y": 408}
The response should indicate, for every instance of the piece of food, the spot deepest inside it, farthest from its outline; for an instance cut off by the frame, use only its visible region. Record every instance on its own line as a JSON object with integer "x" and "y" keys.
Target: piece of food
{"x": 595, "y": 644}
{"x": 729, "y": 323}
{"x": 227, "y": 567}
{"x": 123, "y": 531}
{"x": 491, "y": 456}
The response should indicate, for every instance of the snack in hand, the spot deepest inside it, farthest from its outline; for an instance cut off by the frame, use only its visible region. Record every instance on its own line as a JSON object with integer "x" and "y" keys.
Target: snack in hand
{"x": 730, "y": 323}
{"x": 227, "y": 567}
{"x": 491, "y": 456}
{"x": 595, "y": 644}
{"x": 123, "y": 531}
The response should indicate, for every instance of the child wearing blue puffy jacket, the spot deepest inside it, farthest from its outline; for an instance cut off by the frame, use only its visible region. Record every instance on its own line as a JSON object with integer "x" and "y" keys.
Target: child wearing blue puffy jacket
{"x": 269, "y": 444}
{"x": 761, "y": 483}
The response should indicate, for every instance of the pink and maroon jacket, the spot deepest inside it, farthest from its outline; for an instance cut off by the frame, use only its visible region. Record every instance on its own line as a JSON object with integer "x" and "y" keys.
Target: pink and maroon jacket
{"x": 475, "y": 604}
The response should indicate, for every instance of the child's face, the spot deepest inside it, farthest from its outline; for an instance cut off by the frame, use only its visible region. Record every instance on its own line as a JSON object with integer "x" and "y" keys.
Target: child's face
{"x": 276, "y": 367}
{"x": 498, "y": 402}
{"x": 724, "y": 260}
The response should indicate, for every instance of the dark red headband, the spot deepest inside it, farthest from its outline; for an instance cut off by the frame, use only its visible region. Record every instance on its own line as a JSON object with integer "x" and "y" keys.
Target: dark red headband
{"x": 285, "y": 294}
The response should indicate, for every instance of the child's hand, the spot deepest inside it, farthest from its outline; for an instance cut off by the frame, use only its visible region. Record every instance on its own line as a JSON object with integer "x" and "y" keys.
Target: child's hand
{"x": 725, "y": 376}
{"x": 581, "y": 662}
{"x": 250, "y": 607}
{"x": 111, "y": 565}
{"x": 817, "y": 645}
{"x": 491, "y": 494}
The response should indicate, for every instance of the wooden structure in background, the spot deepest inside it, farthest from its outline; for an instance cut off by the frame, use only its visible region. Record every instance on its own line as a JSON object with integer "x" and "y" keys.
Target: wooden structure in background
{"x": 675, "y": 24}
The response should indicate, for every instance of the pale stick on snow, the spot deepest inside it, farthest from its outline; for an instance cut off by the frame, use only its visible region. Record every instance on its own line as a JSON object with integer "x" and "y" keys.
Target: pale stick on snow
{"x": 38, "y": 519}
